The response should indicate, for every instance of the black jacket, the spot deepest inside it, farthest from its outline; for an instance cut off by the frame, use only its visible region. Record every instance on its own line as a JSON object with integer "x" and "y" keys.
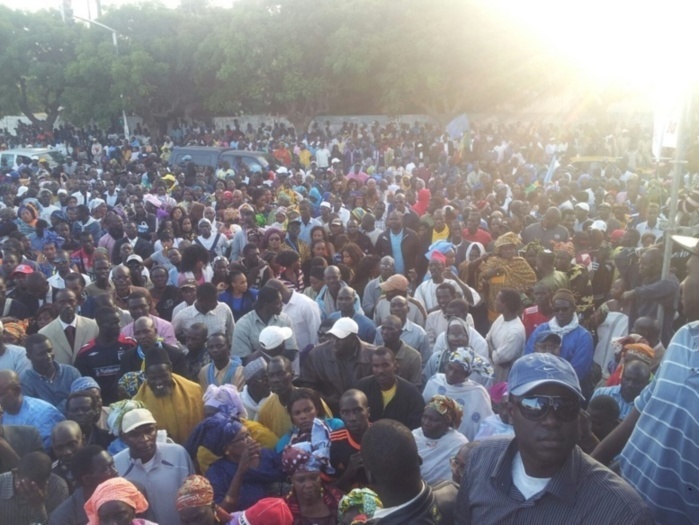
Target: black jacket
{"x": 410, "y": 247}
{"x": 131, "y": 362}
{"x": 434, "y": 506}
{"x": 406, "y": 406}
{"x": 31, "y": 302}
{"x": 142, "y": 248}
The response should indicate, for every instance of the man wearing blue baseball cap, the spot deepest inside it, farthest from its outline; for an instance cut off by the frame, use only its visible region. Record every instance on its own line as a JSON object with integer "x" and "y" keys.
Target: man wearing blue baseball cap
{"x": 542, "y": 475}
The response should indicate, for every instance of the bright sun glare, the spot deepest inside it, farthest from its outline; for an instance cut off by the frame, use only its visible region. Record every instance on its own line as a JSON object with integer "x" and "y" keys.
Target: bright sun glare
{"x": 648, "y": 46}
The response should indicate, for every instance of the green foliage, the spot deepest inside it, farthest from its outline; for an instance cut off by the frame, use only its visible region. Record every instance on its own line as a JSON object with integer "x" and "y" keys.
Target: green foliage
{"x": 297, "y": 58}
{"x": 36, "y": 50}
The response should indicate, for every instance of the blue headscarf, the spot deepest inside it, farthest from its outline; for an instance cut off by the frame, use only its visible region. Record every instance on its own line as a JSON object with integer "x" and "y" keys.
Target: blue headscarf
{"x": 440, "y": 247}
{"x": 214, "y": 433}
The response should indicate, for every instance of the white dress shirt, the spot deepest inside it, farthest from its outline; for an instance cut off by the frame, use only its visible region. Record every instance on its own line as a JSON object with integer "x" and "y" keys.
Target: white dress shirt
{"x": 304, "y": 313}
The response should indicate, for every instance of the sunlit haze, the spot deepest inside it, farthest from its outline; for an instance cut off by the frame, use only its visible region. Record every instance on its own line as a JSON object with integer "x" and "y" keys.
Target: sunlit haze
{"x": 638, "y": 46}
{"x": 643, "y": 45}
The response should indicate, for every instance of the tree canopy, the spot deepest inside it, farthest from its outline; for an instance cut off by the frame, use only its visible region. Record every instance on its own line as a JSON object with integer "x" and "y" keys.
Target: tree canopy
{"x": 297, "y": 58}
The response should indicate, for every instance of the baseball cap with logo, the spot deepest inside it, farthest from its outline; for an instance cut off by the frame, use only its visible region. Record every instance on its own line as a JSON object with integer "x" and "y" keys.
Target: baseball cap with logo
{"x": 533, "y": 370}
{"x": 23, "y": 268}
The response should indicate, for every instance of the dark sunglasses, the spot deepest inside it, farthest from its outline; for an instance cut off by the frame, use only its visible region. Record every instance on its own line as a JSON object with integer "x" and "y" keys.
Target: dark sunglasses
{"x": 561, "y": 309}
{"x": 535, "y": 408}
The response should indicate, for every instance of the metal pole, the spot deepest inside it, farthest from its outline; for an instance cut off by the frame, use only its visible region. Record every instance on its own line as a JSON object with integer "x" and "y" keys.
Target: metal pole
{"x": 677, "y": 176}
{"x": 115, "y": 42}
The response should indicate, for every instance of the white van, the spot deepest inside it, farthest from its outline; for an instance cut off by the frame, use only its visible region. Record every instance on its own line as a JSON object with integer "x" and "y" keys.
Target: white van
{"x": 9, "y": 158}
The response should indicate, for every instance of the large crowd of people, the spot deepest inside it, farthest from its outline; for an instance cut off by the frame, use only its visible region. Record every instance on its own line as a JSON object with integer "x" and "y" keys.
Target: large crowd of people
{"x": 386, "y": 326}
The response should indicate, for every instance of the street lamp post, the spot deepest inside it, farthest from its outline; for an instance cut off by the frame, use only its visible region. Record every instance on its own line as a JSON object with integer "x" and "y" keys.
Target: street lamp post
{"x": 115, "y": 41}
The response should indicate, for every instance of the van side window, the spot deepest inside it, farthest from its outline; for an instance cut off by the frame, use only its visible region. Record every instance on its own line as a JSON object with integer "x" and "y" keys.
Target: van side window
{"x": 252, "y": 164}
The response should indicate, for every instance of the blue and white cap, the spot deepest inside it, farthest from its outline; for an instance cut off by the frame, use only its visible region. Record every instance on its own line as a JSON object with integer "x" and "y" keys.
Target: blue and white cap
{"x": 532, "y": 370}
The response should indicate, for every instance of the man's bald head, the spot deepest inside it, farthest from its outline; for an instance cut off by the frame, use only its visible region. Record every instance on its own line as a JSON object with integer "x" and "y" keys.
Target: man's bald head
{"x": 355, "y": 394}
{"x": 144, "y": 322}
{"x": 11, "y": 400}
{"x": 66, "y": 440}
{"x": 281, "y": 288}
{"x": 8, "y": 378}
{"x": 648, "y": 328}
{"x": 66, "y": 427}
{"x": 144, "y": 332}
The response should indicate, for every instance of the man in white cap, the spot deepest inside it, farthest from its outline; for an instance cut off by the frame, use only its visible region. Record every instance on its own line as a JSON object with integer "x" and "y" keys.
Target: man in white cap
{"x": 325, "y": 218}
{"x": 582, "y": 215}
{"x": 215, "y": 244}
{"x": 337, "y": 365}
{"x": 161, "y": 467}
{"x": 273, "y": 343}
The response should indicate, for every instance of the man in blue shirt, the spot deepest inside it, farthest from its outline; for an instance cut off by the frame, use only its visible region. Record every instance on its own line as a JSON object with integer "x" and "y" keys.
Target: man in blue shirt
{"x": 634, "y": 378}
{"x": 400, "y": 243}
{"x": 307, "y": 222}
{"x": 46, "y": 380}
{"x": 24, "y": 410}
{"x": 347, "y": 301}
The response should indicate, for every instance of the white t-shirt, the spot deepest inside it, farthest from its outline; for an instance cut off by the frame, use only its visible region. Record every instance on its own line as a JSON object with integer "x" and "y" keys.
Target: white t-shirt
{"x": 323, "y": 157}
{"x": 526, "y": 484}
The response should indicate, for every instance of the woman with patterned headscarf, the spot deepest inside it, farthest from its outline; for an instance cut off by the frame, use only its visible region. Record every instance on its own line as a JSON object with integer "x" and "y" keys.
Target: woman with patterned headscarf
{"x": 437, "y": 439}
{"x": 358, "y": 506}
{"x": 223, "y": 401}
{"x": 195, "y": 503}
{"x": 578, "y": 278}
{"x": 310, "y": 499}
{"x": 456, "y": 384}
{"x": 116, "y": 414}
{"x": 116, "y": 501}
{"x": 504, "y": 269}
{"x": 632, "y": 349}
{"x": 245, "y": 472}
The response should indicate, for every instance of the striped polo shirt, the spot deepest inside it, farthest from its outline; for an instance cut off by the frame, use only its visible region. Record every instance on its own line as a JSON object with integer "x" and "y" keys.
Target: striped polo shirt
{"x": 661, "y": 459}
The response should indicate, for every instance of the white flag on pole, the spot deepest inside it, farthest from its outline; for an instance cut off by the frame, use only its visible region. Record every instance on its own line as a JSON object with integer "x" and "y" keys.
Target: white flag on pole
{"x": 667, "y": 122}
{"x": 127, "y": 133}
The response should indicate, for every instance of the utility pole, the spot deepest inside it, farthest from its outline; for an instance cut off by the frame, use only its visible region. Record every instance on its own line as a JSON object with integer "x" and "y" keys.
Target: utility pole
{"x": 115, "y": 42}
{"x": 66, "y": 10}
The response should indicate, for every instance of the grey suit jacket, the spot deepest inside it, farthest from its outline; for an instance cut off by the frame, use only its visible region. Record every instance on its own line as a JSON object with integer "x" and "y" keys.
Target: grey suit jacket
{"x": 85, "y": 330}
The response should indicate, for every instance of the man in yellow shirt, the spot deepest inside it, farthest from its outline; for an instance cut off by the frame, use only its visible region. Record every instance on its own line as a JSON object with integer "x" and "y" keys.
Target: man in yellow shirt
{"x": 273, "y": 413}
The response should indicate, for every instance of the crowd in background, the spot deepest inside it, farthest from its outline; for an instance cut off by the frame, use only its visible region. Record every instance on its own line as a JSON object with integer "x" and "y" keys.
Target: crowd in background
{"x": 367, "y": 331}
